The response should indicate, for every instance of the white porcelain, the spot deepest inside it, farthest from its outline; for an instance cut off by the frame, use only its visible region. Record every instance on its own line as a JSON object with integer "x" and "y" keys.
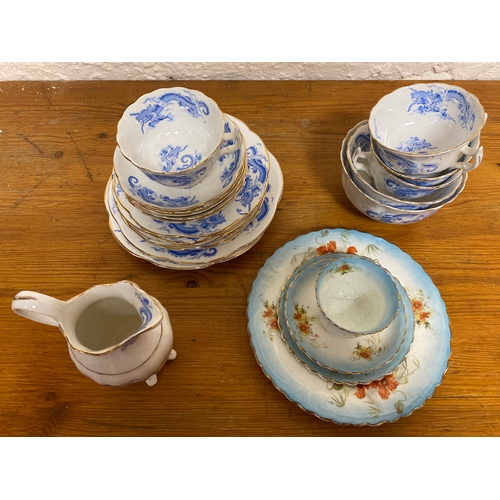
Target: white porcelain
{"x": 205, "y": 230}
{"x": 331, "y": 347}
{"x": 373, "y": 208}
{"x": 117, "y": 334}
{"x": 427, "y": 128}
{"x": 218, "y": 181}
{"x": 175, "y": 135}
{"x": 193, "y": 257}
{"x": 372, "y": 398}
{"x": 391, "y": 185}
{"x": 356, "y": 295}
{"x": 399, "y": 185}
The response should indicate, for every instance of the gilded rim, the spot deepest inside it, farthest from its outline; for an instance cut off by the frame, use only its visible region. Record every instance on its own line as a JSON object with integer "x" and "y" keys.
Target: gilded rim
{"x": 284, "y": 297}
{"x": 311, "y": 412}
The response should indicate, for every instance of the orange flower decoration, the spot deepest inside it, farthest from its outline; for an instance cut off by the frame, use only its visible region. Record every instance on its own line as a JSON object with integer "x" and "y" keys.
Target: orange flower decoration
{"x": 365, "y": 353}
{"x": 351, "y": 250}
{"x": 268, "y": 313}
{"x": 330, "y": 247}
{"x": 304, "y": 327}
{"x": 424, "y": 316}
{"x": 361, "y": 391}
{"x": 273, "y": 323}
{"x": 298, "y": 316}
{"x": 416, "y": 305}
{"x": 384, "y": 387}
{"x": 345, "y": 267}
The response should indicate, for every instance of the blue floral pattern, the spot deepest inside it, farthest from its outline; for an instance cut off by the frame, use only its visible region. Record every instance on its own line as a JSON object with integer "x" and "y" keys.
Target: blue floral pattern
{"x": 158, "y": 109}
{"x": 362, "y": 141}
{"x": 403, "y": 192}
{"x": 253, "y": 184}
{"x": 146, "y": 311}
{"x": 203, "y": 226}
{"x": 180, "y": 180}
{"x": 401, "y": 164}
{"x": 194, "y": 253}
{"x": 150, "y": 196}
{"x": 414, "y": 144}
{"x": 393, "y": 218}
{"x": 436, "y": 100}
{"x": 169, "y": 159}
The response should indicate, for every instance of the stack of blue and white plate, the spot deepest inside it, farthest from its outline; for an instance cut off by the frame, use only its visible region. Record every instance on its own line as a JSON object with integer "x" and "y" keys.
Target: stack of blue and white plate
{"x": 191, "y": 186}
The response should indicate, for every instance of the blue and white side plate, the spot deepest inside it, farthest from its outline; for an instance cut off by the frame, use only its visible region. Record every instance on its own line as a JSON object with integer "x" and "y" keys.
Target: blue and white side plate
{"x": 396, "y": 394}
{"x": 193, "y": 257}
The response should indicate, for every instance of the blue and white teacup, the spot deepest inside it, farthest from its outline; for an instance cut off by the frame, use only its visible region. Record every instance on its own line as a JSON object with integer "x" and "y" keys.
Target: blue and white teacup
{"x": 392, "y": 185}
{"x": 175, "y": 135}
{"x": 424, "y": 129}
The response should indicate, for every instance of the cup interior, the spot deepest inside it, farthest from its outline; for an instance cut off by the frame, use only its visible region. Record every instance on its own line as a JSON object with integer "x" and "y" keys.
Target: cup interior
{"x": 170, "y": 130}
{"x": 426, "y": 119}
{"x": 357, "y": 295}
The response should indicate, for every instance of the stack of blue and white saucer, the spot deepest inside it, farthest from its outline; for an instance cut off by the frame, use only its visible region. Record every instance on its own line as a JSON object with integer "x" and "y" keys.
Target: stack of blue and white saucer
{"x": 413, "y": 155}
{"x": 191, "y": 186}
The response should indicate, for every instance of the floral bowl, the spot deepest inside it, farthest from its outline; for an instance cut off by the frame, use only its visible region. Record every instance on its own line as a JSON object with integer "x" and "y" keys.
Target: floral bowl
{"x": 356, "y": 295}
{"x": 175, "y": 135}
{"x": 426, "y": 128}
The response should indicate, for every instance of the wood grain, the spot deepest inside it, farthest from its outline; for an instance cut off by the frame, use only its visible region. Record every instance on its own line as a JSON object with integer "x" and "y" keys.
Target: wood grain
{"x": 57, "y": 141}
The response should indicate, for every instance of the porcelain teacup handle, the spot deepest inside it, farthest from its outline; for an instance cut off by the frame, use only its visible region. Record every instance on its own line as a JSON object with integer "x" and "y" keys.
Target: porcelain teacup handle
{"x": 475, "y": 154}
{"x": 38, "y": 307}
{"x": 235, "y": 137}
{"x": 362, "y": 160}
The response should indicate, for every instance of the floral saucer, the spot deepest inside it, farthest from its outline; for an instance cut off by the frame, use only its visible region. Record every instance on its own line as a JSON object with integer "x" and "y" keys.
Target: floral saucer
{"x": 194, "y": 257}
{"x": 328, "y": 346}
{"x": 338, "y": 377}
{"x": 397, "y": 393}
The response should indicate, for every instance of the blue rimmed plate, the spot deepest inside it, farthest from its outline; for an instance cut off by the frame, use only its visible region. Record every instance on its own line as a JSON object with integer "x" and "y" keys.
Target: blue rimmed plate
{"x": 397, "y": 394}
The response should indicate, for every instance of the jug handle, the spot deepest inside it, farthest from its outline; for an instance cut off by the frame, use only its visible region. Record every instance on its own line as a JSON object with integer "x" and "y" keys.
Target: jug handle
{"x": 38, "y": 307}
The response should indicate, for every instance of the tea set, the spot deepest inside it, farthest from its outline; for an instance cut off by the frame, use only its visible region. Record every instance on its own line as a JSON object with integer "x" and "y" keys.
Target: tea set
{"x": 344, "y": 324}
{"x": 413, "y": 154}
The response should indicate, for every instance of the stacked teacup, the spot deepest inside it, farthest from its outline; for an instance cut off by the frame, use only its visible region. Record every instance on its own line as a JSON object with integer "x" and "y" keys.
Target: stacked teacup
{"x": 412, "y": 156}
{"x": 191, "y": 185}
{"x": 346, "y": 318}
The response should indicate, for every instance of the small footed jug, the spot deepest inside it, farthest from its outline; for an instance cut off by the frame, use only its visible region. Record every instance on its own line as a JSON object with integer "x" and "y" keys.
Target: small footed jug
{"x": 117, "y": 334}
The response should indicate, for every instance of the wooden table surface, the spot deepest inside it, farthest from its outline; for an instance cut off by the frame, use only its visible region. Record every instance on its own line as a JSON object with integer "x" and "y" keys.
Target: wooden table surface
{"x": 57, "y": 141}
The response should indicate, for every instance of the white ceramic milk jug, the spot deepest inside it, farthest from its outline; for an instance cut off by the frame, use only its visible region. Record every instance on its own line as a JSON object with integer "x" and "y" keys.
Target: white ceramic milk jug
{"x": 117, "y": 334}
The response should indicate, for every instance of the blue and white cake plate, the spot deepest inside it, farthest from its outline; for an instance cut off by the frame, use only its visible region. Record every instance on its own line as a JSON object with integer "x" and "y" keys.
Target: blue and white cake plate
{"x": 396, "y": 394}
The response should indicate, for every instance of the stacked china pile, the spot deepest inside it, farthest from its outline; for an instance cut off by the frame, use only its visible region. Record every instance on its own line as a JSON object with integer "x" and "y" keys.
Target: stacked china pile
{"x": 191, "y": 186}
{"x": 346, "y": 318}
{"x": 413, "y": 155}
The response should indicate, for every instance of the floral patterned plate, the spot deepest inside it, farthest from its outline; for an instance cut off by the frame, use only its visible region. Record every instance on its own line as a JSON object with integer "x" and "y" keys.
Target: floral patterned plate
{"x": 397, "y": 394}
{"x": 330, "y": 347}
{"x": 364, "y": 349}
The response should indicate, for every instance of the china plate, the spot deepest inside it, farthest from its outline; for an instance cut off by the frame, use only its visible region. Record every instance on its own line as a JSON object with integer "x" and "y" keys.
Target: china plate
{"x": 396, "y": 395}
{"x": 196, "y": 258}
{"x": 320, "y": 341}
